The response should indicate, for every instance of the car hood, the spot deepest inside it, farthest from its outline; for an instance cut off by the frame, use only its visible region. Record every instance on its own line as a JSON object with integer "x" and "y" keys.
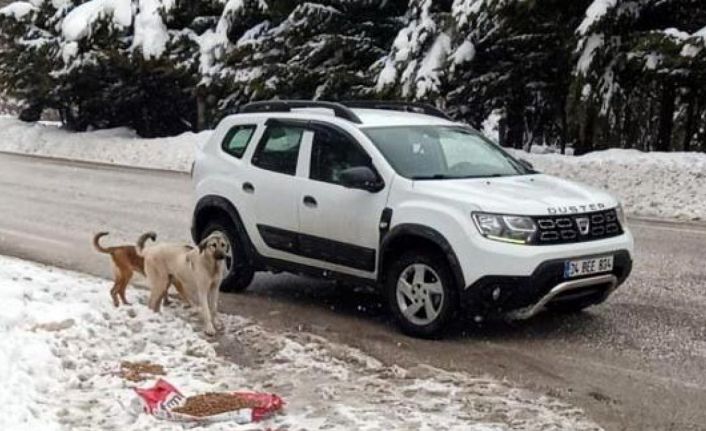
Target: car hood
{"x": 537, "y": 194}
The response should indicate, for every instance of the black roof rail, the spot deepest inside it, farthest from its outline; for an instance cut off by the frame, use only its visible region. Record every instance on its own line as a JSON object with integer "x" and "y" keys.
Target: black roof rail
{"x": 338, "y": 109}
{"x": 394, "y": 105}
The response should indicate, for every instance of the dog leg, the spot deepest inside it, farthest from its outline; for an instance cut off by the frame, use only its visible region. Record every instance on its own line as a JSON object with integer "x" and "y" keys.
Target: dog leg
{"x": 124, "y": 281}
{"x": 182, "y": 294}
{"x": 159, "y": 283}
{"x": 165, "y": 299}
{"x": 114, "y": 293}
{"x": 114, "y": 289}
{"x": 213, "y": 305}
{"x": 206, "y": 313}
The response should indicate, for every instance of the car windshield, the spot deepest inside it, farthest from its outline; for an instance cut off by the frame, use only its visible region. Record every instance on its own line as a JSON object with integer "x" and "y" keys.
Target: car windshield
{"x": 443, "y": 152}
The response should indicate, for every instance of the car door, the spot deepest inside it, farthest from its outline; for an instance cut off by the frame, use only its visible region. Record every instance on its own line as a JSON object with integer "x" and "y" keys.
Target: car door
{"x": 272, "y": 186}
{"x": 339, "y": 226}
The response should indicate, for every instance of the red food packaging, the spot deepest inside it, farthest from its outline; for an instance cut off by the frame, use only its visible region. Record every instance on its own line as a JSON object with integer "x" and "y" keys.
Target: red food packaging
{"x": 161, "y": 399}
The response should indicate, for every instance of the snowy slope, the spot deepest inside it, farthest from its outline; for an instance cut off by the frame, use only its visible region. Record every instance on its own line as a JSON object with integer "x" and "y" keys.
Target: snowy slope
{"x": 662, "y": 185}
{"x": 115, "y": 146}
{"x": 63, "y": 341}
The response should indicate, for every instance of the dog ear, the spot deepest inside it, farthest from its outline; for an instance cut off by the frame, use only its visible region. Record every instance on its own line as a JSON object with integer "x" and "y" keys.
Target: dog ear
{"x": 203, "y": 244}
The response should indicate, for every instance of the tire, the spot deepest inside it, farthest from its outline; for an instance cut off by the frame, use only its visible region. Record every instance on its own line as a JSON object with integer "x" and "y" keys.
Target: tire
{"x": 436, "y": 289}
{"x": 241, "y": 273}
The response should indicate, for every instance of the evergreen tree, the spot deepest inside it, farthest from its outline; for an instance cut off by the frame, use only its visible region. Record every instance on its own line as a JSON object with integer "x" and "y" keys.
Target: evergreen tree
{"x": 639, "y": 67}
{"x": 320, "y": 50}
{"x": 29, "y": 48}
{"x": 514, "y": 57}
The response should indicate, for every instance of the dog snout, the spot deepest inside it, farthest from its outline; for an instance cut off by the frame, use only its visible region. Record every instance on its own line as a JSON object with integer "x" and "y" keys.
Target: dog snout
{"x": 219, "y": 255}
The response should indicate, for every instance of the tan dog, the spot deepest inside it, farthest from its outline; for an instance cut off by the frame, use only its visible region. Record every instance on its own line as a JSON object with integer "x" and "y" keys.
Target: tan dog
{"x": 199, "y": 270}
{"x": 126, "y": 262}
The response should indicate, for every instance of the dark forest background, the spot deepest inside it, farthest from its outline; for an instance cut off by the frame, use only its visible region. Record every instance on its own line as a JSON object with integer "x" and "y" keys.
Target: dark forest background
{"x": 589, "y": 74}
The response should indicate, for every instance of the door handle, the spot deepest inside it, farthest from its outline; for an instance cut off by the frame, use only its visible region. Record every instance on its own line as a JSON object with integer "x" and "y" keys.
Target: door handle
{"x": 248, "y": 188}
{"x": 310, "y": 201}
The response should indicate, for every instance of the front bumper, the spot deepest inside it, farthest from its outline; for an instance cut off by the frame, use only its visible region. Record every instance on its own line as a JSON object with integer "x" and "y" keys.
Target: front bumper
{"x": 523, "y": 297}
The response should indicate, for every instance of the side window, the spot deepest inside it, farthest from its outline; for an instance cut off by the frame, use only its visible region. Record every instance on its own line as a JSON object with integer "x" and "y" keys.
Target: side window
{"x": 237, "y": 140}
{"x": 333, "y": 152}
{"x": 279, "y": 149}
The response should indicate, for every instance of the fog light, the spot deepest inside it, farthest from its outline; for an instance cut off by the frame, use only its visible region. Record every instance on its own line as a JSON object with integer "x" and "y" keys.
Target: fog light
{"x": 496, "y": 294}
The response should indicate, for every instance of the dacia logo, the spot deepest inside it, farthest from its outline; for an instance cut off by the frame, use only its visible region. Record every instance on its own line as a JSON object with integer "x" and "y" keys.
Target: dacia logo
{"x": 575, "y": 209}
{"x": 584, "y": 225}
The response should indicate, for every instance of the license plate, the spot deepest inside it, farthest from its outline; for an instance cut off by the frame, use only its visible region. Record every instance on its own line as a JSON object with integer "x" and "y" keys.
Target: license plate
{"x": 594, "y": 265}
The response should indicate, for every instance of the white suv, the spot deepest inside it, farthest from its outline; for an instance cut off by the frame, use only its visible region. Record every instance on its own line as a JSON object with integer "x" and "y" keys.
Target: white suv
{"x": 400, "y": 197}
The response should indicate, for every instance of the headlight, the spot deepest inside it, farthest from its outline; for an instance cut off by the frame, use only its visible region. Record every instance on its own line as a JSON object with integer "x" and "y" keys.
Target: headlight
{"x": 621, "y": 215}
{"x": 506, "y": 228}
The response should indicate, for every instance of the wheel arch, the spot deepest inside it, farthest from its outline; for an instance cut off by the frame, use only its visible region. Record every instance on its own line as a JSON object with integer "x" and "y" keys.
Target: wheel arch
{"x": 406, "y": 236}
{"x": 210, "y": 207}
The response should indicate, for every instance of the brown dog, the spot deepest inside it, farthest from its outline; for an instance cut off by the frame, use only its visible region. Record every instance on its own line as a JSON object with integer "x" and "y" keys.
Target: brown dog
{"x": 126, "y": 262}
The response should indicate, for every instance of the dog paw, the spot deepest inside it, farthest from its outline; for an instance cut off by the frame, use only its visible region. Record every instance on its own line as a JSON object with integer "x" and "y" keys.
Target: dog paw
{"x": 210, "y": 331}
{"x": 218, "y": 323}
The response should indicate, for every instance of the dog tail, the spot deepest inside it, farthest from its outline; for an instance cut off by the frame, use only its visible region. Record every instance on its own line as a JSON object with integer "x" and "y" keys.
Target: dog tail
{"x": 96, "y": 242}
{"x": 143, "y": 239}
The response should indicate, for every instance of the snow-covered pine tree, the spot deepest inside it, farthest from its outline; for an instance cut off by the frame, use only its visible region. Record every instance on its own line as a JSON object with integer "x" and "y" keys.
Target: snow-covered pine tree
{"x": 513, "y": 57}
{"x": 415, "y": 66}
{"x": 29, "y": 45}
{"x": 311, "y": 50}
{"x": 639, "y": 67}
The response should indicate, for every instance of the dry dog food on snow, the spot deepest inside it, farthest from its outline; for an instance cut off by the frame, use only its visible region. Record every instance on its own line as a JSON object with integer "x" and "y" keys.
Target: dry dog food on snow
{"x": 214, "y": 403}
{"x": 139, "y": 371}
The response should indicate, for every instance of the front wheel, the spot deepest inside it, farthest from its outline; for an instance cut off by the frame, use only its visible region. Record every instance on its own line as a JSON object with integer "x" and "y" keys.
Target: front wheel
{"x": 421, "y": 293}
{"x": 239, "y": 273}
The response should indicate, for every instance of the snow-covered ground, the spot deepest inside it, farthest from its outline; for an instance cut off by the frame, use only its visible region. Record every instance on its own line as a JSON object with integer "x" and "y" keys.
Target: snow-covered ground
{"x": 119, "y": 146}
{"x": 662, "y": 185}
{"x": 63, "y": 341}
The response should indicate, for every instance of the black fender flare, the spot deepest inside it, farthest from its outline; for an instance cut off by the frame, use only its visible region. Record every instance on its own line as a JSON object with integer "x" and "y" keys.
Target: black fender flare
{"x": 426, "y": 233}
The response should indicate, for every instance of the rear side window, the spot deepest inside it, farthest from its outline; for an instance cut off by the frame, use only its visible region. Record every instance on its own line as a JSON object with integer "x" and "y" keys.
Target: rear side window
{"x": 237, "y": 139}
{"x": 279, "y": 149}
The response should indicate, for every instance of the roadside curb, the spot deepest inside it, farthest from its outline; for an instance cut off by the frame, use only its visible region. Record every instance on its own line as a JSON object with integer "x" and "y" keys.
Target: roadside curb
{"x": 88, "y": 163}
{"x": 666, "y": 221}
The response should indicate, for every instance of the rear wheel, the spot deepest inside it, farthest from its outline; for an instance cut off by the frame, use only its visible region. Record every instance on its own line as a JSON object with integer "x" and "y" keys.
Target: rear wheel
{"x": 421, "y": 293}
{"x": 238, "y": 273}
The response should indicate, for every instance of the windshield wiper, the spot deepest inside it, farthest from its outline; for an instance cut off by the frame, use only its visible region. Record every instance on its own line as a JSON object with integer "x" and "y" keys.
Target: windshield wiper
{"x": 431, "y": 177}
{"x": 462, "y": 177}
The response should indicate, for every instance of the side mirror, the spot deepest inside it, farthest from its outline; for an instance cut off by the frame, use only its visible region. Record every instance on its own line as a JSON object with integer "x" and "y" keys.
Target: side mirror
{"x": 361, "y": 177}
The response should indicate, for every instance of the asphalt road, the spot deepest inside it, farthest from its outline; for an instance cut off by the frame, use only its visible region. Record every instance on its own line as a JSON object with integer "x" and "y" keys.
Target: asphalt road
{"x": 637, "y": 362}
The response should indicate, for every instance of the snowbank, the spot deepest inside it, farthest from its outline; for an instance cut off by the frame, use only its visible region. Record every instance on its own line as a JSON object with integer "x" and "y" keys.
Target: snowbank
{"x": 115, "y": 146}
{"x": 662, "y": 185}
{"x": 63, "y": 341}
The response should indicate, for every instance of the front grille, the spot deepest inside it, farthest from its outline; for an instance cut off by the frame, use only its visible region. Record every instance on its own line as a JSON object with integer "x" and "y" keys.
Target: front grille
{"x": 570, "y": 228}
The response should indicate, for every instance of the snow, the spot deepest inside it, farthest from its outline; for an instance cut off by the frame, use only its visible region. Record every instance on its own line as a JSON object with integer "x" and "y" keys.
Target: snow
{"x": 491, "y": 125}
{"x": 597, "y": 10}
{"x": 150, "y": 31}
{"x": 17, "y": 9}
{"x": 660, "y": 185}
{"x": 411, "y": 43}
{"x": 464, "y": 53}
{"x": 119, "y": 146}
{"x": 63, "y": 342}
{"x": 591, "y": 45}
{"x": 428, "y": 80}
{"x": 79, "y": 22}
